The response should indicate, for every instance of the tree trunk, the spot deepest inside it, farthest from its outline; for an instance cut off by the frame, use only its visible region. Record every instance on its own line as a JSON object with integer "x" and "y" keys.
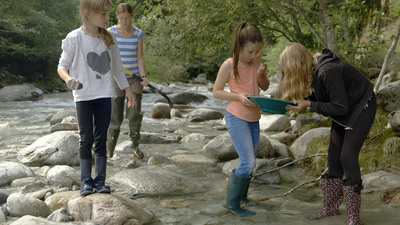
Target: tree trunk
{"x": 327, "y": 25}
{"x": 385, "y": 62}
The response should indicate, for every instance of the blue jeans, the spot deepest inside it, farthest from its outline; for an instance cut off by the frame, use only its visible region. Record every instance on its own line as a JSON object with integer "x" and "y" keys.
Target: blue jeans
{"x": 245, "y": 137}
{"x": 93, "y": 120}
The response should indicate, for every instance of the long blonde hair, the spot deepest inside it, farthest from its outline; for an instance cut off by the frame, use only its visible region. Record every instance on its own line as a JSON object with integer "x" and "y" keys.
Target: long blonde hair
{"x": 86, "y": 6}
{"x": 244, "y": 32}
{"x": 297, "y": 66}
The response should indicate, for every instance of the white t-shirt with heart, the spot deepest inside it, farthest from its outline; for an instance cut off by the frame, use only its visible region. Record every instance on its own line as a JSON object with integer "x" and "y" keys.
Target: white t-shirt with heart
{"x": 89, "y": 60}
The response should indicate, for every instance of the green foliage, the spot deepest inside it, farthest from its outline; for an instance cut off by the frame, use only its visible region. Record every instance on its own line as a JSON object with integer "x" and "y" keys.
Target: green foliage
{"x": 192, "y": 36}
{"x": 30, "y": 36}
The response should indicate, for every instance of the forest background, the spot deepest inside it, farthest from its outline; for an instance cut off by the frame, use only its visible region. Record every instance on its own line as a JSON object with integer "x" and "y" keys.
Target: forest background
{"x": 184, "y": 38}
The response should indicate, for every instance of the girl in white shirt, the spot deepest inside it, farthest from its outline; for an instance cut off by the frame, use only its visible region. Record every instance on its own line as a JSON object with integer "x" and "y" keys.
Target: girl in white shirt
{"x": 91, "y": 57}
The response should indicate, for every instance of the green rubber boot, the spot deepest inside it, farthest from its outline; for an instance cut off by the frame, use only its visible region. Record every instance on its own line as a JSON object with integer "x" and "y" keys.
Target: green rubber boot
{"x": 135, "y": 118}
{"x": 117, "y": 116}
{"x": 236, "y": 188}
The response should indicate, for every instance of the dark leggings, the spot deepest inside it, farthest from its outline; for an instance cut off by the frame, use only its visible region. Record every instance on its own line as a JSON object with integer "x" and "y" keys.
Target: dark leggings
{"x": 93, "y": 115}
{"x": 345, "y": 145}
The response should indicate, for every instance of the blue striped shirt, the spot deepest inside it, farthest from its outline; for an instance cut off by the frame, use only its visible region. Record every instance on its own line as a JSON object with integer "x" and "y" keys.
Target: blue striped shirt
{"x": 128, "y": 48}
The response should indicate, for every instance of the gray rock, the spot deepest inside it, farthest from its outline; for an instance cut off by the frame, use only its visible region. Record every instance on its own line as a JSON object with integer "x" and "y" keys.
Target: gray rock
{"x": 155, "y": 138}
{"x": 185, "y": 98}
{"x": 59, "y": 116}
{"x": 59, "y": 148}
{"x": 274, "y": 122}
{"x": 158, "y": 160}
{"x": 63, "y": 126}
{"x": 205, "y": 114}
{"x": 23, "y": 181}
{"x": 388, "y": 97}
{"x": 10, "y": 171}
{"x": 2, "y": 217}
{"x": 300, "y": 146}
{"x": 394, "y": 120}
{"x": 380, "y": 181}
{"x": 63, "y": 175}
{"x": 24, "y": 92}
{"x": 221, "y": 148}
{"x": 20, "y": 204}
{"x": 193, "y": 159}
{"x": 262, "y": 165}
{"x": 32, "y": 220}
{"x": 60, "y": 215}
{"x": 161, "y": 111}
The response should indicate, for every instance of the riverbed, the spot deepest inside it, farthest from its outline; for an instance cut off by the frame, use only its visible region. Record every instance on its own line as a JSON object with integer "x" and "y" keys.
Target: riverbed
{"x": 21, "y": 123}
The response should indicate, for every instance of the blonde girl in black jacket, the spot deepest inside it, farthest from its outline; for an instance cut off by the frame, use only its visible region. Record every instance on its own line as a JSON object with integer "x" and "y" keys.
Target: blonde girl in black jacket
{"x": 334, "y": 88}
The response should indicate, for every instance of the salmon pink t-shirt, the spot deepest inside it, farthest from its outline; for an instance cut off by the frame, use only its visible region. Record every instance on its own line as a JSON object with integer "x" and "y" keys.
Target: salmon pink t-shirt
{"x": 247, "y": 82}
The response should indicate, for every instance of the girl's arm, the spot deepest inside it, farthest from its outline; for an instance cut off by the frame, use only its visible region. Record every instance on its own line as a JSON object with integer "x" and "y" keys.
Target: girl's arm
{"x": 65, "y": 76}
{"x": 222, "y": 78}
{"x": 141, "y": 63}
{"x": 263, "y": 81}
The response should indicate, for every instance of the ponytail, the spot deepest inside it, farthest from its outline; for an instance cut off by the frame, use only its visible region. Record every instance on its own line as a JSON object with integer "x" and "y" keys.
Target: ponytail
{"x": 245, "y": 32}
{"x": 106, "y": 37}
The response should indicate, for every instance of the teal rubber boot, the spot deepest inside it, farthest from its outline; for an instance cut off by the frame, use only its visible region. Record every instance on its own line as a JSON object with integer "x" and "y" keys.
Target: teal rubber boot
{"x": 236, "y": 188}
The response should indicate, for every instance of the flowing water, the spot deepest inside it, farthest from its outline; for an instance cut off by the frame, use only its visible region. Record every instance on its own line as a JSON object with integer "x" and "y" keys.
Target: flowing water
{"x": 21, "y": 123}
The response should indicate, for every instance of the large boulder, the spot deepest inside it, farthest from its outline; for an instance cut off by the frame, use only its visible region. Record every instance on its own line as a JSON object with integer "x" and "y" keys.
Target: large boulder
{"x": 108, "y": 209}
{"x": 152, "y": 180}
{"x": 221, "y": 148}
{"x": 300, "y": 146}
{"x": 20, "y": 204}
{"x": 24, "y": 92}
{"x": 59, "y": 148}
{"x": 10, "y": 171}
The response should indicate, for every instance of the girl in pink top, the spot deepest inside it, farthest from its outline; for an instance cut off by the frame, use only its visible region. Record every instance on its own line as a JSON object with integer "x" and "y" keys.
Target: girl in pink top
{"x": 245, "y": 74}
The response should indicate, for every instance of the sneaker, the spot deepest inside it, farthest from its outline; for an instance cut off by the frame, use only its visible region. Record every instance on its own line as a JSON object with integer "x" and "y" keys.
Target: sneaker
{"x": 137, "y": 153}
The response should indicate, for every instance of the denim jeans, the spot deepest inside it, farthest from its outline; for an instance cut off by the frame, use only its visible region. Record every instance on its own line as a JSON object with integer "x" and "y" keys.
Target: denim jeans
{"x": 93, "y": 120}
{"x": 245, "y": 137}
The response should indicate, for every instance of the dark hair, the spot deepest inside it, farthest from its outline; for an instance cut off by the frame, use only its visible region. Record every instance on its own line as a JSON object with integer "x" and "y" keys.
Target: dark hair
{"x": 245, "y": 32}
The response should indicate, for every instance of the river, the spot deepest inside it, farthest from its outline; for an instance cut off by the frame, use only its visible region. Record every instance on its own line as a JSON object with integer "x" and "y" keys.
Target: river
{"x": 21, "y": 123}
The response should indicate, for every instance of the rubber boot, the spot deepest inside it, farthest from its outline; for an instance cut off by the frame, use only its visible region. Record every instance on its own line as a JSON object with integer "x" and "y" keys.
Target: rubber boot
{"x": 245, "y": 200}
{"x": 135, "y": 118}
{"x": 86, "y": 177}
{"x": 100, "y": 172}
{"x": 332, "y": 197}
{"x": 112, "y": 138}
{"x": 117, "y": 117}
{"x": 236, "y": 188}
{"x": 352, "y": 194}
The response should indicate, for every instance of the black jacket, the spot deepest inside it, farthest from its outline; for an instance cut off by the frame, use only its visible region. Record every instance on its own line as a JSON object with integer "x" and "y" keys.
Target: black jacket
{"x": 340, "y": 91}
